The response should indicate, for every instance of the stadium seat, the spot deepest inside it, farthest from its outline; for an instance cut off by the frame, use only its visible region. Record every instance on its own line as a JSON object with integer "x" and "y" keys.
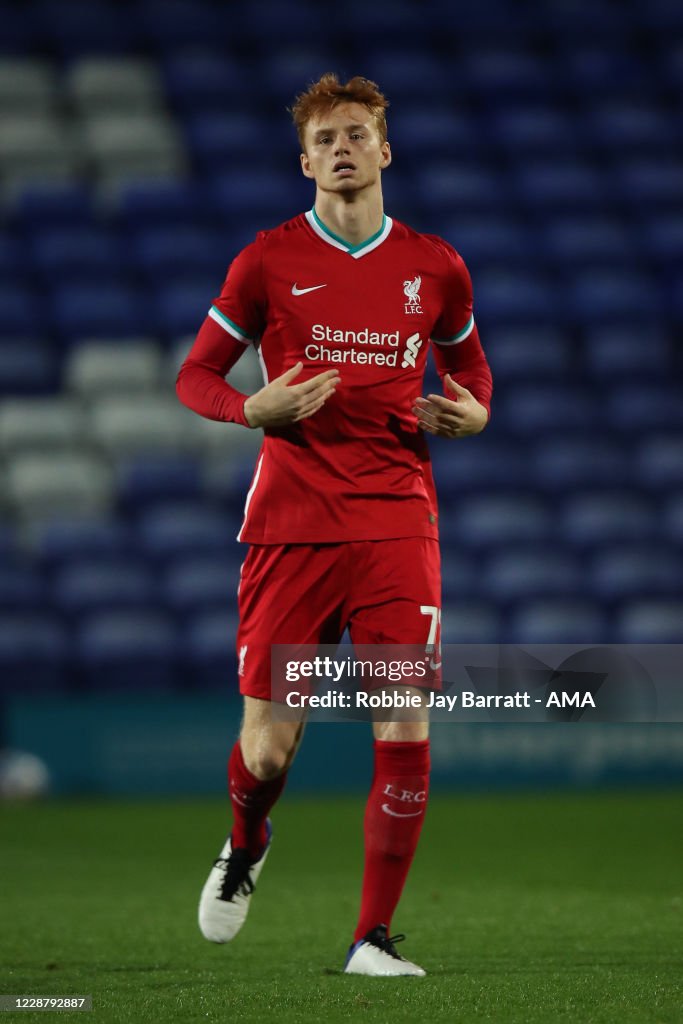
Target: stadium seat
{"x": 486, "y": 464}
{"x": 43, "y": 204}
{"x": 470, "y": 622}
{"x": 203, "y": 80}
{"x": 195, "y": 583}
{"x": 570, "y": 461}
{"x": 34, "y": 653}
{"x": 102, "y": 584}
{"x": 127, "y": 650}
{"x": 485, "y": 521}
{"x": 650, "y": 182}
{"x": 36, "y": 147}
{"x": 163, "y": 252}
{"x": 40, "y": 423}
{"x": 659, "y": 460}
{"x": 575, "y": 241}
{"x": 184, "y": 528}
{"x": 98, "y": 86}
{"x": 96, "y": 368}
{"x": 673, "y": 519}
{"x": 27, "y": 85}
{"x": 21, "y": 588}
{"x": 483, "y": 241}
{"x": 142, "y": 481}
{"x": 564, "y": 185}
{"x": 28, "y": 366}
{"x": 76, "y": 253}
{"x": 537, "y": 130}
{"x": 558, "y": 621}
{"x": 182, "y": 307}
{"x": 133, "y": 146}
{"x": 45, "y": 486}
{"x": 172, "y": 25}
{"x": 533, "y": 410}
{"x": 527, "y": 352}
{"x": 74, "y": 27}
{"x": 636, "y": 570}
{"x": 597, "y": 69}
{"x": 608, "y": 294}
{"x": 20, "y": 312}
{"x": 662, "y": 237}
{"x": 102, "y": 309}
{"x": 506, "y": 295}
{"x": 462, "y": 187}
{"x": 651, "y": 622}
{"x": 623, "y": 126}
{"x": 61, "y": 541}
{"x": 647, "y": 406}
{"x": 460, "y": 577}
{"x": 632, "y": 351}
{"x": 530, "y": 573}
{"x": 505, "y": 71}
{"x": 441, "y": 129}
{"x": 163, "y": 203}
{"x": 123, "y": 425}
{"x": 598, "y": 518}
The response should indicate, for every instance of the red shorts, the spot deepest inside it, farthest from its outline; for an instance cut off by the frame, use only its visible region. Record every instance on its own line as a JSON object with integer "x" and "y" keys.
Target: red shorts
{"x": 384, "y": 591}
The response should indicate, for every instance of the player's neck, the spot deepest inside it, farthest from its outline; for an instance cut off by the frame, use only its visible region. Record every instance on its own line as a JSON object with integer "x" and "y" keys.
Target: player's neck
{"x": 354, "y": 221}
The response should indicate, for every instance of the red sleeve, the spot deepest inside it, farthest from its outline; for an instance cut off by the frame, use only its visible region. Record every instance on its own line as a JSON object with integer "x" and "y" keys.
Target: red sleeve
{"x": 235, "y": 320}
{"x": 455, "y": 339}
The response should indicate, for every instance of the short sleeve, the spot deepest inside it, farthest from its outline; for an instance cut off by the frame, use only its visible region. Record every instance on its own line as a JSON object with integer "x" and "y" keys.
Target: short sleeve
{"x": 456, "y": 319}
{"x": 240, "y": 307}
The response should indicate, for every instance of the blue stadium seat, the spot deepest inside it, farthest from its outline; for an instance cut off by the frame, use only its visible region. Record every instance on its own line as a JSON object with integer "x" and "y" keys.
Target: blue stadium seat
{"x": 536, "y": 409}
{"x": 651, "y": 622}
{"x": 483, "y": 240}
{"x": 508, "y": 294}
{"x": 14, "y": 259}
{"x": 409, "y": 72}
{"x": 209, "y": 649}
{"x": 606, "y": 294}
{"x": 97, "y": 584}
{"x": 663, "y": 237}
{"x": 633, "y": 126}
{"x": 195, "y": 583}
{"x": 128, "y": 650}
{"x": 505, "y": 71}
{"x": 558, "y": 621}
{"x": 460, "y": 577}
{"x": 494, "y": 520}
{"x": 535, "y": 130}
{"x": 531, "y": 573}
{"x": 470, "y": 622}
{"x": 62, "y": 541}
{"x": 219, "y": 140}
{"x": 184, "y": 528}
{"x": 269, "y": 25}
{"x": 527, "y": 352}
{"x": 181, "y": 308}
{"x": 485, "y": 464}
{"x": 33, "y": 653}
{"x": 568, "y": 462}
{"x": 164, "y": 203}
{"x": 636, "y": 570}
{"x": 86, "y": 310}
{"x": 267, "y": 195}
{"x": 143, "y": 481}
{"x": 172, "y": 25}
{"x": 446, "y": 187}
{"x": 204, "y": 80}
{"x": 597, "y": 518}
{"x": 161, "y": 252}
{"x": 561, "y": 185}
{"x": 596, "y": 68}
{"x": 645, "y": 407}
{"x": 650, "y": 182}
{"x": 77, "y": 253}
{"x": 65, "y": 204}
{"x": 21, "y": 588}
{"x": 659, "y": 461}
{"x": 28, "y": 366}
{"x": 578, "y": 240}
{"x": 287, "y": 71}
{"x": 75, "y": 27}
{"x": 21, "y": 312}
{"x": 636, "y": 351}
{"x": 439, "y": 129}
{"x": 673, "y": 520}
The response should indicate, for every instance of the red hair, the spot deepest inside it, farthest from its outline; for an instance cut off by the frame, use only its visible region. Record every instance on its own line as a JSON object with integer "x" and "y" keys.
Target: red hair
{"x": 328, "y": 92}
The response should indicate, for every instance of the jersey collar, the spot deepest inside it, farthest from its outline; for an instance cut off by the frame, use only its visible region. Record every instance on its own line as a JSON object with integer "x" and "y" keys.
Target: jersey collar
{"x": 353, "y": 250}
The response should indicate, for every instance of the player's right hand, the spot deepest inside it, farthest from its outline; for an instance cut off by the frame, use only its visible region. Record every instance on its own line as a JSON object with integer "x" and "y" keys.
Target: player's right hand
{"x": 280, "y": 402}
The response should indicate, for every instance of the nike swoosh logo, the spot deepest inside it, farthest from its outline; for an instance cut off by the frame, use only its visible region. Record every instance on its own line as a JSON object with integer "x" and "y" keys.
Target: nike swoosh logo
{"x": 302, "y": 291}
{"x": 395, "y": 814}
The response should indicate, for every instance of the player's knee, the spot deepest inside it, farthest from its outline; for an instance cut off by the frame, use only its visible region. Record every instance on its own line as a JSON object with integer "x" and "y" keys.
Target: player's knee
{"x": 267, "y": 764}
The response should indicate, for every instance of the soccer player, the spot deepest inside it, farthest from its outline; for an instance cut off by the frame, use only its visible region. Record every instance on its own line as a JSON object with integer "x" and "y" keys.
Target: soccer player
{"x": 341, "y": 303}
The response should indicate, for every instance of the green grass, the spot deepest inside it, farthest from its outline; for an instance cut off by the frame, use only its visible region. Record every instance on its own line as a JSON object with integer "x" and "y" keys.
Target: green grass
{"x": 522, "y": 909}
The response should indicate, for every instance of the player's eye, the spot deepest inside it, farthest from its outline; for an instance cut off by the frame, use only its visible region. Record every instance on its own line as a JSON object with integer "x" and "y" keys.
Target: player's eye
{"x": 357, "y": 135}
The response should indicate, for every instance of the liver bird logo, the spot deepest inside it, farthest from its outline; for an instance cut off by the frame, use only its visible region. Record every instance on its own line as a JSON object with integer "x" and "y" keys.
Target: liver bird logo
{"x": 411, "y": 290}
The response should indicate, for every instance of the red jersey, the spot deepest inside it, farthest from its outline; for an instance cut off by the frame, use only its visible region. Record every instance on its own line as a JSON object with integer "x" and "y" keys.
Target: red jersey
{"x": 359, "y": 468}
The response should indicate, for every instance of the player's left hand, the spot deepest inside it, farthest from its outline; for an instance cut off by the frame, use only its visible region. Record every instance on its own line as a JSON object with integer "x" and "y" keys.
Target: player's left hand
{"x": 459, "y": 417}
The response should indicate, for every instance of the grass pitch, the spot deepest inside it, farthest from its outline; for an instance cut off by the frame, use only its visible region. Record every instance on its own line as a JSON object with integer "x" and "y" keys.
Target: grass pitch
{"x": 522, "y": 909}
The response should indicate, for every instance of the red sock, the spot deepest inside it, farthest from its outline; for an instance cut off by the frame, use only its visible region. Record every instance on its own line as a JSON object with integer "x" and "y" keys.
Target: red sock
{"x": 251, "y": 799}
{"x": 393, "y": 821}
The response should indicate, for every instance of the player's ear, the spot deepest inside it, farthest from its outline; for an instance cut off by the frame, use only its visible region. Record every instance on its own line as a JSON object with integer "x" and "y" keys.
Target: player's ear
{"x": 385, "y": 153}
{"x": 306, "y": 166}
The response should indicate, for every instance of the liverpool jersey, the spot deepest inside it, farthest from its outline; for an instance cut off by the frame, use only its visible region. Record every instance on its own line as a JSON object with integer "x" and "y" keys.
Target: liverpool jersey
{"x": 359, "y": 468}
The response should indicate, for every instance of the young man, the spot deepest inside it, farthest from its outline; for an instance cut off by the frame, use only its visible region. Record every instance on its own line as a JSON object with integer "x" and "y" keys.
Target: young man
{"x": 341, "y": 515}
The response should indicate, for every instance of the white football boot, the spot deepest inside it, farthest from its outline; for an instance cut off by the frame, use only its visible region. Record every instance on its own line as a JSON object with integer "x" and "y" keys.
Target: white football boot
{"x": 225, "y": 898}
{"x": 376, "y": 955}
